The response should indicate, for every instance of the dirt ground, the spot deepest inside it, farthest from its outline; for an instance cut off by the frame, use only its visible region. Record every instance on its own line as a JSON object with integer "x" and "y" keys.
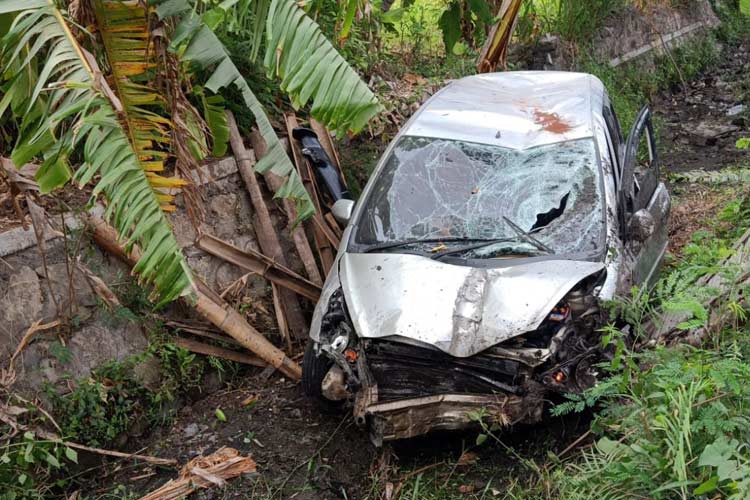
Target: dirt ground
{"x": 304, "y": 453}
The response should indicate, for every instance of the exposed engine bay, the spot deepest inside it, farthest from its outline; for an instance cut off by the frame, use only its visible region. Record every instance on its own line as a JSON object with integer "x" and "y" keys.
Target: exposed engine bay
{"x": 403, "y": 388}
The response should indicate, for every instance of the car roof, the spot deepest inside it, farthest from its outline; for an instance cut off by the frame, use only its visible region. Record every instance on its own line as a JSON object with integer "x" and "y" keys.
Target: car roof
{"x": 514, "y": 109}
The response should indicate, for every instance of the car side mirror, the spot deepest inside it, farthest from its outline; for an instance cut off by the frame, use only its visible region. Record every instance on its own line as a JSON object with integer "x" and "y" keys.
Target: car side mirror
{"x": 342, "y": 211}
{"x": 641, "y": 225}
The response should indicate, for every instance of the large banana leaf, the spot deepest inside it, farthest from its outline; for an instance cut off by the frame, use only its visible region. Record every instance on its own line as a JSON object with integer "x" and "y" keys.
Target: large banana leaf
{"x": 124, "y": 29}
{"x": 311, "y": 68}
{"x": 308, "y": 65}
{"x": 200, "y": 46}
{"x": 123, "y": 26}
{"x": 80, "y": 117}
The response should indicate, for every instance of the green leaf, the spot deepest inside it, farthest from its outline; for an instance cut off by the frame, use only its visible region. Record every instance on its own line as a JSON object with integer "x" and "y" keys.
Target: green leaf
{"x": 481, "y": 438}
{"x": 220, "y": 415}
{"x": 22, "y": 479}
{"x": 346, "y": 25}
{"x": 205, "y": 50}
{"x": 745, "y": 7}
{"x": 76, "y": 118}
{"x": 310, "y": 68}
{"x": 450, "y": 25}
{"x": 71, "y": 455}
{"x": 216, "y": 119}
{"x": 707, "y": 486}
{"x": 52, "y": 460}
{"x": 481, "y": 9}
{"x": 18, "y": 5}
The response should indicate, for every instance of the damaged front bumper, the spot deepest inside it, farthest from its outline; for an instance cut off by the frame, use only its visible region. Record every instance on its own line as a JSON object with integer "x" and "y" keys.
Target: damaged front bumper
{"x": 413, "y": 417}
{"x": 403, "y": 391}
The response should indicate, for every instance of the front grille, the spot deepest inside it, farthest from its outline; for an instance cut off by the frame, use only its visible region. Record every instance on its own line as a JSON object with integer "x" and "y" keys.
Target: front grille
{"x": 405, "y": 371}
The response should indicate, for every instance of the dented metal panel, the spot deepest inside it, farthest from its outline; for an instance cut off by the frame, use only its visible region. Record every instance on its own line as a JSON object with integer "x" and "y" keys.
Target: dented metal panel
{"x": 458, "y": 309}
{"x": 516, "y": 110}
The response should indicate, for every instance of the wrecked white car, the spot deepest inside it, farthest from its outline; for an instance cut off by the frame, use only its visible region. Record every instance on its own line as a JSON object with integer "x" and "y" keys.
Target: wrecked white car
{"x": 472, "y": 268}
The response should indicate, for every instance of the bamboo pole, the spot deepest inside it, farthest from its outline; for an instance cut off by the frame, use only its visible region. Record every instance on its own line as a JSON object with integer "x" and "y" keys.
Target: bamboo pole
{"x": 264, "y": 229}
{"x": 208, "y": 305}
{"x": 298, "y": 233}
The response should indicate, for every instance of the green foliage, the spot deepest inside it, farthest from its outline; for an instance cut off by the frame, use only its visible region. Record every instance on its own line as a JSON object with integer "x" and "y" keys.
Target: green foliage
{"x": 102, "y": 408}
{"x": 672, "y": 421}
{"x": 662, "y": 422}
{"x": 28, "y": 463}
{"x": 79, "y": 119}
{"x": 578, "y": 20}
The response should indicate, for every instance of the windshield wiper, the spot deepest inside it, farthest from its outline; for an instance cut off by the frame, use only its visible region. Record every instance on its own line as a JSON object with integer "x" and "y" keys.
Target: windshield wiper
{"x": 396, "y": 244}
{"x": 527, "y": 236}
{"x": 481, "y": 244}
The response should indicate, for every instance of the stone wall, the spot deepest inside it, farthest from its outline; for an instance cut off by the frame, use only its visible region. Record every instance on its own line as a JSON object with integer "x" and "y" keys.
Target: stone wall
{"x": 29, "y": 294}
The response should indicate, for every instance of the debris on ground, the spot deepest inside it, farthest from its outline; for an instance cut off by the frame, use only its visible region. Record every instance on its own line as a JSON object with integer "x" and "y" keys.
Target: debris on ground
{"x": 205, "y": 472}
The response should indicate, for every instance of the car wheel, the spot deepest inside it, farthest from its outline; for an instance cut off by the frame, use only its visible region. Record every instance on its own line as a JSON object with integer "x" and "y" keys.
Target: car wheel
{"x": 314, "y": 370}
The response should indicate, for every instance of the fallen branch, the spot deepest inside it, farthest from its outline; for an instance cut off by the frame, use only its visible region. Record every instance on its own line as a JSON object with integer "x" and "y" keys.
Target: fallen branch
{"x": 203, "y": 472}
{"x": 259, "y": 264}
{"x": 119, "y": 454}
{"x": 219, "y": 352}
{"x": 209, "y": 305}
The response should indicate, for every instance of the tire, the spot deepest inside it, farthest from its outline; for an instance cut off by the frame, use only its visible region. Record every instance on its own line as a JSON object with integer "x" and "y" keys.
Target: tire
{"x": 314, "y": 370}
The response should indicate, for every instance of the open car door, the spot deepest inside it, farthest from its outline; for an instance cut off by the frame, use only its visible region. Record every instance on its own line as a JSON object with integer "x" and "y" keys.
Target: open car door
{"x": 643, "y": 203}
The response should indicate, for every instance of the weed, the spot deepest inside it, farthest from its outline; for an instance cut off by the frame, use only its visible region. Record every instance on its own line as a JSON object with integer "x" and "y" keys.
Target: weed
{"x": 29, "y": 463}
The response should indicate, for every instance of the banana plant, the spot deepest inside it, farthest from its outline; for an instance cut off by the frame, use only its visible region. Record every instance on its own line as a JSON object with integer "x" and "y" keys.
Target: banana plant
{"x": 87, "y": 98}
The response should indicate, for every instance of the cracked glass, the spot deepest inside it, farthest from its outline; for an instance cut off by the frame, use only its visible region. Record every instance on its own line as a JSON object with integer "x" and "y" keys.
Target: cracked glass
{"x": 432, "y": 189}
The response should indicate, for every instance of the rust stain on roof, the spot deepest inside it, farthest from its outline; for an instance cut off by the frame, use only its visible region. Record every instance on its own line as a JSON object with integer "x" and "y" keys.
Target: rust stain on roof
{"x": 551, "y": 122}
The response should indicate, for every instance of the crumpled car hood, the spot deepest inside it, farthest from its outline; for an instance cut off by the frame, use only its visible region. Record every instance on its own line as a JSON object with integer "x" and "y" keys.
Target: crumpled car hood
{"x": 458, "y": 309}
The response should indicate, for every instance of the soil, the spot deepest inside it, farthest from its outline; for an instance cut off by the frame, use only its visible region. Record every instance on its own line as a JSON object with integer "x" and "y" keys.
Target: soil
{"x": 305, "y": 453}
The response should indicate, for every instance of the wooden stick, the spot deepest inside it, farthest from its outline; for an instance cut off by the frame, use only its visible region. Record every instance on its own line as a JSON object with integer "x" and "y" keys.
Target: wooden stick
{"x": 298, "y": 233}
{"x": 259, "y": 264}
{"x": 211, "y": 307}
{"x": 119, "y": 454}
{"x": 218, "y": 352}
{"x": 235, "y": 325}
{"x": 264, "y": 229}
{"x": 278, "y": 307}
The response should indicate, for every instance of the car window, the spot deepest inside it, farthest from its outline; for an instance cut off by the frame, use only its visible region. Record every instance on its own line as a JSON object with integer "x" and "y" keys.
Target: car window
{"x": 437, "y": 188}
{"x": 614, "y": 140}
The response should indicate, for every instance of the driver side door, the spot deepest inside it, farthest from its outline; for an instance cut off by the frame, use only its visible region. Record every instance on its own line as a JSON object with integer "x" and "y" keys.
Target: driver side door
{"x": 643, "y": 204}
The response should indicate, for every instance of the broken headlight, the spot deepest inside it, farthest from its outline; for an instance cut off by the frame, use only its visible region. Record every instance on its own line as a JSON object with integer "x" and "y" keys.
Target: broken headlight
{"x": 335, "y": 326}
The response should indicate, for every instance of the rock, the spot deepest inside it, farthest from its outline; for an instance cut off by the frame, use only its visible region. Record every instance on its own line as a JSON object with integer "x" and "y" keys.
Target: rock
{"x": 736, "y": 110}
{"x": 59, "y": 282}
{"x": 20, "y": 306}
{"x": 92, "y": 344}
{"x": 707, "y": 133}
{"x": 148, "y": 373}
{"x": 190, "y": 430}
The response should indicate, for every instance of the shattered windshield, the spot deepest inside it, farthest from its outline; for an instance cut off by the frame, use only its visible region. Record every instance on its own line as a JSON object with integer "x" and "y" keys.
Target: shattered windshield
{"x": 434, "y": 189}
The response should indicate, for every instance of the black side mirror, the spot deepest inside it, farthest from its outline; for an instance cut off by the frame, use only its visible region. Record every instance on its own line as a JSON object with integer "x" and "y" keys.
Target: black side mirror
{"x": 324, "y": 168}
